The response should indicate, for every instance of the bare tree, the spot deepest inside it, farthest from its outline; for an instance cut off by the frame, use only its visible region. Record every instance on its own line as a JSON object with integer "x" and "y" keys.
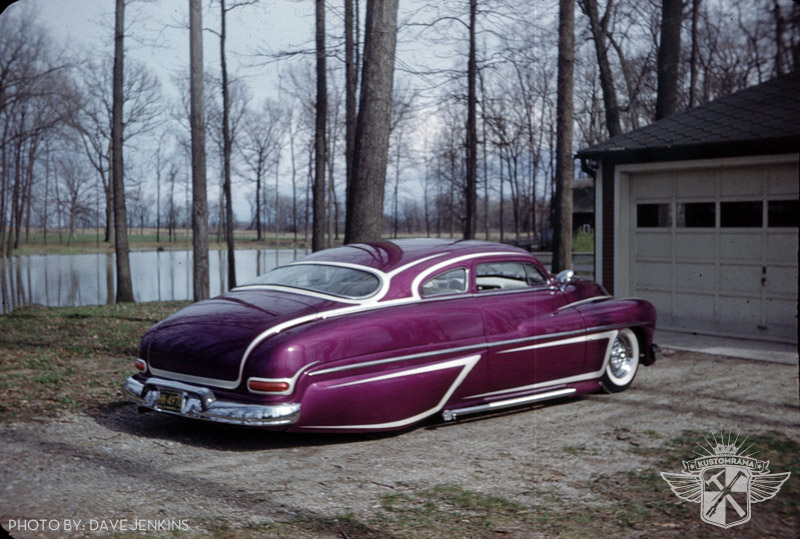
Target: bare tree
{"x": 227, "y": 140}
{"x": 471, "y": 187}
{"x": 352, "y": 62}
{"x": 199, "y": 201}
{"x": 599, "y": 28}
{"x": 261, "y": 147}
{"x": 562, "y": 235}
{"x": 124, "y": 281}
{"x": 364, "y": 220}
{"x": 669, "y": 52}
{"x": 318, "y": 232}
{"x": 71, "y": 172}
{"x": 140, "y": 115}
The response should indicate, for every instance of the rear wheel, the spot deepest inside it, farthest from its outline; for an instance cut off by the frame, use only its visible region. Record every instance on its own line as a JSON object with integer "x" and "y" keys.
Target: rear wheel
{"x": 623, "y": 362}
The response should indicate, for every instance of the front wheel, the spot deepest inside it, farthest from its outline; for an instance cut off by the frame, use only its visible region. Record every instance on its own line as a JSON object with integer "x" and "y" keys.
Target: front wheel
{"x": 623, "y": 362}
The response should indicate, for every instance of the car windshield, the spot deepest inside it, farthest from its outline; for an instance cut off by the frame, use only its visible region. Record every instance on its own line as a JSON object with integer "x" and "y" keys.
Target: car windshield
{"x": 334, "y": 280}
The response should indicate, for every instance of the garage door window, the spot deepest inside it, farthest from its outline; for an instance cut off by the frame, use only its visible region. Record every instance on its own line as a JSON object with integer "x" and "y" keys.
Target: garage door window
{"x": 746, "y": 214}
{"x": 697, "y": 215}
{"x": 783, "y": 213}
{"x": 653, "y": 216}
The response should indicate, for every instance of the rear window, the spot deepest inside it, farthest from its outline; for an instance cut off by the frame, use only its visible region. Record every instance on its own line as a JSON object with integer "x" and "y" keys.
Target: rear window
{"x": 326, "y": 279}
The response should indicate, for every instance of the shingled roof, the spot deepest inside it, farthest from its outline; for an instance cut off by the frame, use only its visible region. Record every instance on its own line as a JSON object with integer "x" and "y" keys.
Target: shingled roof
{"x": 760, "y": 119}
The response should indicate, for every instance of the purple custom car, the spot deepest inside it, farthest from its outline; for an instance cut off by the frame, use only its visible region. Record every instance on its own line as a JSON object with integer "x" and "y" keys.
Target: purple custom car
{"x": 380, "y": 336}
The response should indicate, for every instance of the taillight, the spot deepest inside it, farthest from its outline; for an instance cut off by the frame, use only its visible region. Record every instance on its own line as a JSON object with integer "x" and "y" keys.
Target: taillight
{"x": 268, "y": 386}
{"x": 140, "y": 365}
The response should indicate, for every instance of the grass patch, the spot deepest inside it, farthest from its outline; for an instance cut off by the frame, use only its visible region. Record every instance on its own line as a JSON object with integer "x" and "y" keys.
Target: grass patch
{"x": 642, "y": 502}
{"x": 633, "y": 503}
{"x": 68, "y": 359}
{"x": 583, "y": 242}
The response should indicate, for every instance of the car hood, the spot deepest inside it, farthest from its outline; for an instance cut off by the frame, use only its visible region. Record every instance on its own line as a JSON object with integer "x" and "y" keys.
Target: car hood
{"x": 207, "y": 340}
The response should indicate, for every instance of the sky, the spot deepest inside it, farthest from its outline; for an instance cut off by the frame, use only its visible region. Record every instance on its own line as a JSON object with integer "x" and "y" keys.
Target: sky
{"x": 157, "y": 32}
{"x": 157, "y": 35}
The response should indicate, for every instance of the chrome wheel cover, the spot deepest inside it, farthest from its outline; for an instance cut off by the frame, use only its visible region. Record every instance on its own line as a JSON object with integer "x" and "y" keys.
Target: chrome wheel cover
{"x": 623, "y": 361}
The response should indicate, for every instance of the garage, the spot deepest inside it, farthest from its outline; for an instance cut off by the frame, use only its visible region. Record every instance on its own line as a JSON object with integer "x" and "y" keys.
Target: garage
{"x": 715, "y": 248}
{"x": 698, "y": 213}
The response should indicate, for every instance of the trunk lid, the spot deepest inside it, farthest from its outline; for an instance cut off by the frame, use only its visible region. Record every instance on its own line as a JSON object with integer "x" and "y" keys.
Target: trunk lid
{"x": 205, "y": 342}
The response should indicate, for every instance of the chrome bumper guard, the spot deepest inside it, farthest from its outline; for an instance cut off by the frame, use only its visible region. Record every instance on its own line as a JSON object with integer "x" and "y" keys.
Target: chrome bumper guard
{"x": 656, "y": 352}
{"x": 200, "y": 403}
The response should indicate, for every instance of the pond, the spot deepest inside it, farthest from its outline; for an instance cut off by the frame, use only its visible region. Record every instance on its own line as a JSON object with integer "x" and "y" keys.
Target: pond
{"x": 89, "y": 279}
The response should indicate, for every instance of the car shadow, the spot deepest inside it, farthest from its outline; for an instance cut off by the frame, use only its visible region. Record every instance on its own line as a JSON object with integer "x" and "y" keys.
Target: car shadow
{"x": 125, "y": 418}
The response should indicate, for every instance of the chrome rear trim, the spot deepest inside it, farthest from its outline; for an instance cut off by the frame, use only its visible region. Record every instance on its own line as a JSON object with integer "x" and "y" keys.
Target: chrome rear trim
{"x": 452, "y": 415}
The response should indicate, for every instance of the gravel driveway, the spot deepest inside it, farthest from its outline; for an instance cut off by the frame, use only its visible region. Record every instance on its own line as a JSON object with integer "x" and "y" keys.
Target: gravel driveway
{"x": 119, "y": 467}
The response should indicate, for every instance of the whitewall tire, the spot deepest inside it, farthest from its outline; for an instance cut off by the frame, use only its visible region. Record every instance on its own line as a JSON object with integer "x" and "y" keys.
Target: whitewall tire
{"x": 622, "y": 363}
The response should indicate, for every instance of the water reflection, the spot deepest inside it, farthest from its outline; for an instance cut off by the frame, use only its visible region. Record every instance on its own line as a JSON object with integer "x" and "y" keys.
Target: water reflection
{"x": 72, "y": 280}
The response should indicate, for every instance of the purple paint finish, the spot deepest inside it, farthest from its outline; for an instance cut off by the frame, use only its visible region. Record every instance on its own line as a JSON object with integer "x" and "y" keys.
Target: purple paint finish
{"x": 391, "y": 360}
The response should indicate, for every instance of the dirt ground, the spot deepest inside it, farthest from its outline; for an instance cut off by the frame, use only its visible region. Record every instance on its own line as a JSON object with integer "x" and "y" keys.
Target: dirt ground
{"x": 117, "y": 467}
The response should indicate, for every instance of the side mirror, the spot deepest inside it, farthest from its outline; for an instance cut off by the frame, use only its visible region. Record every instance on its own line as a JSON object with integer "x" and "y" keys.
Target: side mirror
{"x": 564, "y": 277}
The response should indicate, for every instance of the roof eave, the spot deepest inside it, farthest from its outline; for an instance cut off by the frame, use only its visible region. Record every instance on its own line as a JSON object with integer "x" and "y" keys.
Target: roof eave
{"x": 730, "y": 148}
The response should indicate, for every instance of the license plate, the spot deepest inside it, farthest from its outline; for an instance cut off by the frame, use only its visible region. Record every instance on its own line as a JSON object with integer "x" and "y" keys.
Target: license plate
{"x": 170, "y": 401}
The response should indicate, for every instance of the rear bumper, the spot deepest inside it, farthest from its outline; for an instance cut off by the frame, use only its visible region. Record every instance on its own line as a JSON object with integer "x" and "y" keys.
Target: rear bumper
{"x": 201, "y": 403}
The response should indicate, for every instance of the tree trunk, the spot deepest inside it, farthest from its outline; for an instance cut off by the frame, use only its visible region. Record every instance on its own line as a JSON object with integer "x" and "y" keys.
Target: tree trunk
{"x": 364, "y": 219}
{"x": 694, "y": 57}
{"x": 351, "y": 85}
{"x": 599, "y": 28}
{"x": 199, "y": 200}
{"x": 471, "y": 189}
{"x": 669, "y": 53}
{"x": 227, "y": 143}
{"x": 124, "y": 283}
{"x": 318, "y": 231}
{"x": 562, "y": 234}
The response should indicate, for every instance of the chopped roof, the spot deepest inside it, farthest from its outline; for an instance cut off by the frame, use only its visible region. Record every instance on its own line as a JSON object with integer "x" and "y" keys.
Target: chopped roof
{"x": 766, "y": 113}
{"x": 392, "y": 254}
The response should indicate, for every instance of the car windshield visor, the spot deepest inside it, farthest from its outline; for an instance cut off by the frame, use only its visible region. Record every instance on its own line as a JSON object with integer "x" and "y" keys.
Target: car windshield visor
{"x": 337, "y": 281}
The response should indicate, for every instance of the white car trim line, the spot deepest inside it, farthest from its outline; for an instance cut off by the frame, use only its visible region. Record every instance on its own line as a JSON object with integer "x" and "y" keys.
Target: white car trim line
{"x": 582, "y": 338}
{"x": 568, "y": 380}
{"x": 467, "y": 363}
{"x": 424, "y": 274}
{"x": 407, "y": 372}
{"x": 291, "y": 381}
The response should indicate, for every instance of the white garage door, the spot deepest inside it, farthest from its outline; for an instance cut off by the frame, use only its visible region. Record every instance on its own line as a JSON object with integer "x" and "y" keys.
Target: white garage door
{"x": 716, "y": 249}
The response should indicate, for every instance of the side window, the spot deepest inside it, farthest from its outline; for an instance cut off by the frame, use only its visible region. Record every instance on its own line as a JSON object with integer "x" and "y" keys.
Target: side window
{"x": 507, "y": 276}
{"x": 449, "y": 282}
{"x": 535, "y": 275}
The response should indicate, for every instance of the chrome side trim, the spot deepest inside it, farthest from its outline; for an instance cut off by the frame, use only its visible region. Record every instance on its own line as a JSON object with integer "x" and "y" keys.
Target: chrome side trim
{"x": 452, "y": 415}
{"x": 467, "y": 363}
{"x": 200, "y": 403}
{"x": 584, "y": 301}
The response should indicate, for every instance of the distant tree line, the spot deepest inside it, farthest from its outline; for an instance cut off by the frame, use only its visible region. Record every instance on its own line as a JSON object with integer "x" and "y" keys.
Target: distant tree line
{"x": 470, "y": 116}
